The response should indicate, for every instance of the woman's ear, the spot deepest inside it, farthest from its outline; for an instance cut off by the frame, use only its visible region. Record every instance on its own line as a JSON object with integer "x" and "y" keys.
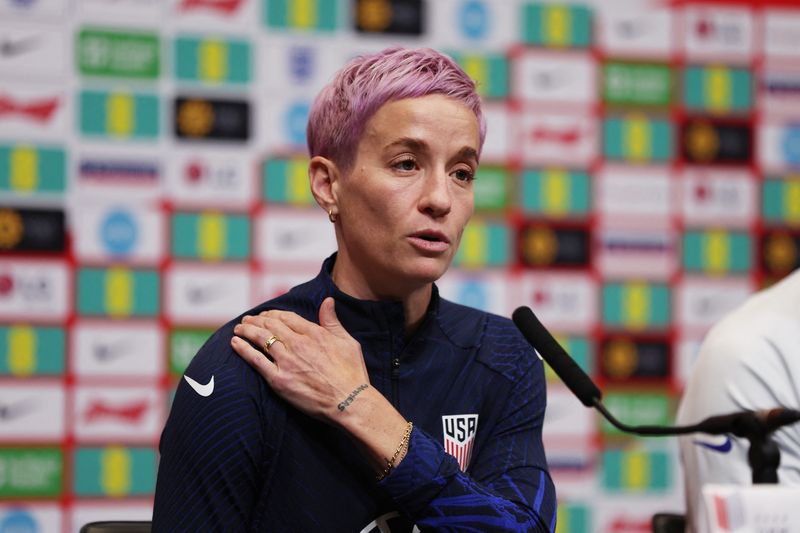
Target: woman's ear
{"x": 323, "y": 177}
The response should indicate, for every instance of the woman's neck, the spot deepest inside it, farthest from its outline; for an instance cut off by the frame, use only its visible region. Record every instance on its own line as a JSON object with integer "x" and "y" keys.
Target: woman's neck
{"x": 415, "y": 302}
{"x": 415, "y": 307}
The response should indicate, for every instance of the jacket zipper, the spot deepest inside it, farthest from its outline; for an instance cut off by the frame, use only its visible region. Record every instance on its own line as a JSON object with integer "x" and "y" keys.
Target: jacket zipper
{"x": 395, "y": 375}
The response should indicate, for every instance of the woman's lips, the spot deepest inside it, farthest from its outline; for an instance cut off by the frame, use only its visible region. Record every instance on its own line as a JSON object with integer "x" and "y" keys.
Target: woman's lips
{"x": 430, "y": 241}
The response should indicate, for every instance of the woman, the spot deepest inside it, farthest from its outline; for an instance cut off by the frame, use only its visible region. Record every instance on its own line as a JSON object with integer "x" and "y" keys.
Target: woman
{"x": 367, "y": 374}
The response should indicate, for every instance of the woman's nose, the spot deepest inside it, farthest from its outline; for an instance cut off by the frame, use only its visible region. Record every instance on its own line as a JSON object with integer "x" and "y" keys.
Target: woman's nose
{"x": 436, "y": 197}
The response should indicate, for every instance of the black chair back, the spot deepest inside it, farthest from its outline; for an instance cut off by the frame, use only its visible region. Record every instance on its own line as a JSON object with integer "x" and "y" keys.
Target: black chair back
{"x": 668, "y": 523}
{"x": 117, "y": 527}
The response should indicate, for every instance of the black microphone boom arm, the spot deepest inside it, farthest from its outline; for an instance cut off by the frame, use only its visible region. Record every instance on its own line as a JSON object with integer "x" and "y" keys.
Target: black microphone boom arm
{"x": 756, "y": 426}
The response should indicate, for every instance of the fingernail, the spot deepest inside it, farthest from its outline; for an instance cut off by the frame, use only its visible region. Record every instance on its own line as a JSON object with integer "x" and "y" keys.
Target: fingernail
{"x": 237, "y": 328}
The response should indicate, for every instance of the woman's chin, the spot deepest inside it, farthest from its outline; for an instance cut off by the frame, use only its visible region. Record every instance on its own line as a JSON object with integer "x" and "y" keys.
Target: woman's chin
{"x": 428, "y": 270}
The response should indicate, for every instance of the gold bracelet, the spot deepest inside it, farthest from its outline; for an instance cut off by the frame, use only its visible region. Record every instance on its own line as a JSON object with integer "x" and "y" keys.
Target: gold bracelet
{"x": 403, "y": 446}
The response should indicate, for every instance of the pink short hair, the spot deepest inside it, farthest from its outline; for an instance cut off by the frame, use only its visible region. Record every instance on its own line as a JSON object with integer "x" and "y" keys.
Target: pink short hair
{"x": 344, "y": 106}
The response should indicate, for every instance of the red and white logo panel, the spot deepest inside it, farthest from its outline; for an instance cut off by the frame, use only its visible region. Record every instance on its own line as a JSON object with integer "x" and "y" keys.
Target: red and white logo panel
{"x": 208, "y": 14}
{"x": 34, "y": 290}
{"x": 718, "y": 33}
{"x": 211, "y": 177}
{"x": 34, "y": 110}
{"x": 459, "y": 437}
{"x": 564, "y": 302}
{"x": 714, "y": 197}
{"x": 133, "y": 414}
{"x": 550, "y": 138}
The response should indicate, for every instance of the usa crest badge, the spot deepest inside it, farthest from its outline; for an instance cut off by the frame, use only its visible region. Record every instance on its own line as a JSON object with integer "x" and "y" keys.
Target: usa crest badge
{"x": 459, "y": 437}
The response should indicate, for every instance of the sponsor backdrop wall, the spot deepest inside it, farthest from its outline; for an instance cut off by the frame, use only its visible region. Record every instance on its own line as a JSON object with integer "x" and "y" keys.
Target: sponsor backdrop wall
{"x": 637, "y": 183}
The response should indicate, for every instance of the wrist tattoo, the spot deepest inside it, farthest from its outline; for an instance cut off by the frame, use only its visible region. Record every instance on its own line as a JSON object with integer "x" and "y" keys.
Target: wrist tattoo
{"x": 347, "y": 401}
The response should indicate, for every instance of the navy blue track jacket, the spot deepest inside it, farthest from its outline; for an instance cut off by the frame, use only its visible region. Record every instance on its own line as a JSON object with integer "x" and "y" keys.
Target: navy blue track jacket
{"x": 241, "y": 459}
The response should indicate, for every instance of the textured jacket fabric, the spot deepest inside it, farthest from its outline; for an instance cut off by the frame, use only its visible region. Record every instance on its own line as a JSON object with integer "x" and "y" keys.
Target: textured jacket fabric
{"x": 242, "y": 459}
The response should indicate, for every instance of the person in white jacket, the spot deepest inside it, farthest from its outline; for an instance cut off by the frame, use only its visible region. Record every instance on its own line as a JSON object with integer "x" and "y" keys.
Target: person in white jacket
{"x": 750, "y": 360}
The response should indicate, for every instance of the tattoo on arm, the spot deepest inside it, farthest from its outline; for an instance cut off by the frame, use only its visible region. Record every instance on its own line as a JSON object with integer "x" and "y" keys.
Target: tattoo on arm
{"x": 347, "y": 401}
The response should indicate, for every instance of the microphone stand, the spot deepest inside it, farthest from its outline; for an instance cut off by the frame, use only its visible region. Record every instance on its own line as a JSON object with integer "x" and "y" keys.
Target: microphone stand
{"x": 763, "y": 456}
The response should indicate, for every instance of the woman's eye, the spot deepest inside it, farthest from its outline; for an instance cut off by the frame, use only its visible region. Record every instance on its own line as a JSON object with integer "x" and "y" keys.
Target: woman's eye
{"x": 463, "y": 174}
{"x": 406, "y": 164}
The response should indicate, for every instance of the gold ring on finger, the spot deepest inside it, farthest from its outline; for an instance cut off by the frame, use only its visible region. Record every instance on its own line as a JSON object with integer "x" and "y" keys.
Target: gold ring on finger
{"x": 269, "y": 342}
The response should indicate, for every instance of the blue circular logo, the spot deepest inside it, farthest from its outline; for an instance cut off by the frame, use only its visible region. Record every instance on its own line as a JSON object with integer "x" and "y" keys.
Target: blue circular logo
{"x": 474, "y": 18}
{"x": 118, "y": 232}
{"x": 295, "y": 122}
{"x": 472, "y": 293}
{"x": 18, "y": 521}
{"x": 791, "y": 145}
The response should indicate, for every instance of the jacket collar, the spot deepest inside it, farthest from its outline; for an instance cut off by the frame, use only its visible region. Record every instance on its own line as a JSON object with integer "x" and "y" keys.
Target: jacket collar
{"x": 369, "y": 316}
{"x": 463, "y": 326}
